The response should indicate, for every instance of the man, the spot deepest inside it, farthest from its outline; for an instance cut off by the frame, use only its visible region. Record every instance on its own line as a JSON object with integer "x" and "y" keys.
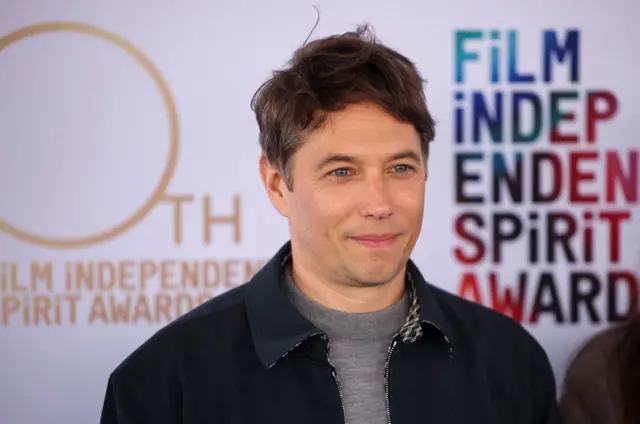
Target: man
{"x": 340, "y": 326}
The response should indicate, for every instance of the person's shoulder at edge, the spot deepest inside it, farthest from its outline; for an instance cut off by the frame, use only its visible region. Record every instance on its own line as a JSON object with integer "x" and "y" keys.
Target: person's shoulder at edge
{"x": 590, "y": 390}
{"x": 591, "y": 360}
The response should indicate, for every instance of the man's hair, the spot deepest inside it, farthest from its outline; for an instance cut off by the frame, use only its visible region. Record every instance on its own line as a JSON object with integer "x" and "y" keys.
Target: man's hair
{"x": 325, "y": 76}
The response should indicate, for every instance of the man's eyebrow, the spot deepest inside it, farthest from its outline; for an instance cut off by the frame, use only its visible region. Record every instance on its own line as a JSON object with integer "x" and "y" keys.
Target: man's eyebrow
{"x": 335, "y": 158}
{"x": 405, "y": 154}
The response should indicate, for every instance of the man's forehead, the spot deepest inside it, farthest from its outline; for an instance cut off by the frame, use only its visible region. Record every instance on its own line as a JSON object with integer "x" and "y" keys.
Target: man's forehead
{"x": 362, "y": 117}
{"x": 363, "y": 143}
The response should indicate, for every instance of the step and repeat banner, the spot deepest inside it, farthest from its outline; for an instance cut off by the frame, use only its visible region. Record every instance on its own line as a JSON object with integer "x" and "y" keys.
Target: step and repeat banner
{"x": 129, "y": 186}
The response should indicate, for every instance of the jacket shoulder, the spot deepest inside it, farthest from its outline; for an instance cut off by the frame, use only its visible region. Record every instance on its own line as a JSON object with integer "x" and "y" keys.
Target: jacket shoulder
{"x": 496, "y": 336}
{"x": 509, "y": 355}
{"x": 215, "y": 319}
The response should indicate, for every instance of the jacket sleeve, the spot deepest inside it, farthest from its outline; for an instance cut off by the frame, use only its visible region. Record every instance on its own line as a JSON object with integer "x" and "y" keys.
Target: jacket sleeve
{"x": 141, "y": 401}
{"x": 146, "y": 387}
{"x": 545, "y": 401}
{"x": 109, "y": 411}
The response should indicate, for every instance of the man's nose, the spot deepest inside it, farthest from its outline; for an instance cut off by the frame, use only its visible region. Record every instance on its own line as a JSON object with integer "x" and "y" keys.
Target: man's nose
{"x": 376, "y": 198}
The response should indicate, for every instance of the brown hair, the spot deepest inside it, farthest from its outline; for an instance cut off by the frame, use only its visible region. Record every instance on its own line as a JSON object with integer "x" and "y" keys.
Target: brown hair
{"x": 627, "y": 360}
{"x": 328, "y": 74}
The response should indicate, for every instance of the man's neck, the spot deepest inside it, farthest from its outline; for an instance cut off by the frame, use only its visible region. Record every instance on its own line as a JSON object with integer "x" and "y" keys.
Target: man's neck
{"x": 344, "y": 297}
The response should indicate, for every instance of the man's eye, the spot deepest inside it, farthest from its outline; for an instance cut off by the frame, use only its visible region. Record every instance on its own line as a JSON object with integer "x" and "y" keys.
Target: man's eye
{"x": 341, "y": 172}
{"x": 402, "y": 168}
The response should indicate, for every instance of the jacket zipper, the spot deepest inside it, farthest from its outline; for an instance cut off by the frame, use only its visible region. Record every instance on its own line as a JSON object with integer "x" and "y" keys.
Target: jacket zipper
{"x": 336, "y": 379}
{"x": 386, "y": 378}
{"x": 334, "y": 374}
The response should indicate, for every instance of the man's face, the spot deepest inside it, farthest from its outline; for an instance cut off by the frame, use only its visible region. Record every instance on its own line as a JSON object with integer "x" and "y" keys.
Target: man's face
{"x": 355, "y": 211}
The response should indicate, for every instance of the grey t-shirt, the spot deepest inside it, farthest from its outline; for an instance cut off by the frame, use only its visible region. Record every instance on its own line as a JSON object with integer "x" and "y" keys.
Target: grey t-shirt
{"x": 359, "y": 344}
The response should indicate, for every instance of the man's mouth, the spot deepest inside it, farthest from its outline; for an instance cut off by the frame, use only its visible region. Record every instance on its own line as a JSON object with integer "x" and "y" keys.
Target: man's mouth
{"x": 376, "y": 240}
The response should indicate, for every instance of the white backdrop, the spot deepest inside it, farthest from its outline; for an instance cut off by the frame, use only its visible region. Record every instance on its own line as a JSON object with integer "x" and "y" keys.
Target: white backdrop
{"x": 129, "y": 189}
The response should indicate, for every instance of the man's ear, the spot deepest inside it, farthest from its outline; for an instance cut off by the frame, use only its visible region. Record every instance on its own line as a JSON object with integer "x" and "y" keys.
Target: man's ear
{"x": 274, "y": 184}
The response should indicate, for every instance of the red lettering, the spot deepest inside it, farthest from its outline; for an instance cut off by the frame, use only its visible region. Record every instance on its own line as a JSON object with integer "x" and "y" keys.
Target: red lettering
{"x": 594, "y": 115}
{"x": 578, "y": 176}
{"x": 558, "y": 115}
{"x": 614, "y": 219}
{"x": 464, "y": 234}
{"x": 510, "y": 303}
{"x": 615, "y": 174}
{"x": 469, "y": 286}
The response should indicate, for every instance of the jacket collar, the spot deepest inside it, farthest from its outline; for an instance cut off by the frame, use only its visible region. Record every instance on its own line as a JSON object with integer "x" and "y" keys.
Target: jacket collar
{"x": 277, "y": 327}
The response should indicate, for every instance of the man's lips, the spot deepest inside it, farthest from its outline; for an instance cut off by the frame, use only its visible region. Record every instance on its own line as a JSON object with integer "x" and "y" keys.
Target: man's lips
{"x": 376, "y": 240}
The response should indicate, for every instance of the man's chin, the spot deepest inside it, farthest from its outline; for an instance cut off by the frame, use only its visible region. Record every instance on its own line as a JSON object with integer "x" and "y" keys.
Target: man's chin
{"x": 371, "y": 284}
{"x": 376, "y": 276}
{"x": 373, "y": 268}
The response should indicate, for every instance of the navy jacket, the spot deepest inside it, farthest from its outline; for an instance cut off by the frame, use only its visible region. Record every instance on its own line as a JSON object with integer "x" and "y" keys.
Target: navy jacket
{"x": 248, "y": 356}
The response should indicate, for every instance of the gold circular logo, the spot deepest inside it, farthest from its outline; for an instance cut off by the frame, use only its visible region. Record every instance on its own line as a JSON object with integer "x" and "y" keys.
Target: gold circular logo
{"x": 161, "y": 187}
